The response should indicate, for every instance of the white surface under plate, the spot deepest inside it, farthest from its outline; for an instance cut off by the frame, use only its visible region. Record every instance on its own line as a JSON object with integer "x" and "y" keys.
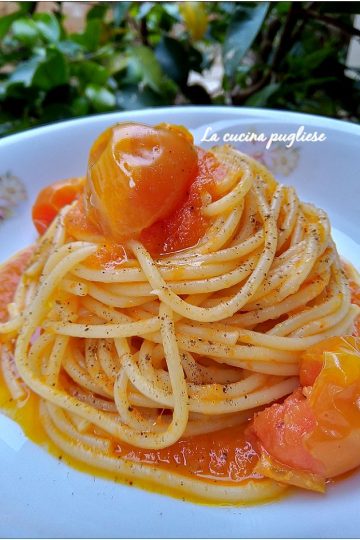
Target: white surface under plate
{"x": 42, "y": 497}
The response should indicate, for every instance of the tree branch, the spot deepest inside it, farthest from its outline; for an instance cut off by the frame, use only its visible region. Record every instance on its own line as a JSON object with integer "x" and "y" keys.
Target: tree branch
{"x": 292, "y": 18}
{"x": 339, "y": 25}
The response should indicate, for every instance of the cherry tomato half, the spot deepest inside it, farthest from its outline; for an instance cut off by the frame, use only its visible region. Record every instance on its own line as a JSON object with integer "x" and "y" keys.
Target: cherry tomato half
{"x": 52, "y": 199}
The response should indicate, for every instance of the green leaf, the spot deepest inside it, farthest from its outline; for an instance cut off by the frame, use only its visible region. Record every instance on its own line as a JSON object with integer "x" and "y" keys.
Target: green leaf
{"x": 25, "y": 31}
{"x": 172, "y": 9}
{"x": 132, "y": 97}
{"x": 90, "y": 72}
{"x": 47, "y": 74}
{"x": 90, "y": 38}
{"x": 48, "y": 26}
{"x": 55, "y": 112}
{"x": 6, "y": 21}
{"x": 120, "y": 10}
{"x": 69, "y": 48}
{"x": 227, "y": 7}
{"x": 24, "y": 72}
{"x": 93, "y": 34}
{"x": 177, "y": 58}
{"x": 160, "y": 16}
{"x": 3, "y": 88}
{"x": 172, "y": 57}
{"x": 245, "y": 24}
{"x": 144, "y": 65}
{"x": 282, "y": 7}
{"x": 97, "y": 12}
{"x": 310, "y": 82}
{"x": 144, "y": 9}
{"x": 260, "y": 98}
{"x": 20, "y": 96}
{"x": 100, "y": 98}
{"x": 219, "y": 100}
{"x": 52, "y": 71}
{"x": 303, "y": 64}
{"x": 80, "y": 106}
{"x": 116, "y": 62}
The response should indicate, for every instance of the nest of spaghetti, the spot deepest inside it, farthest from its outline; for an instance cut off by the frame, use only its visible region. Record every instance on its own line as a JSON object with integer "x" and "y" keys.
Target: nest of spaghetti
{"x": 154, "y": 349}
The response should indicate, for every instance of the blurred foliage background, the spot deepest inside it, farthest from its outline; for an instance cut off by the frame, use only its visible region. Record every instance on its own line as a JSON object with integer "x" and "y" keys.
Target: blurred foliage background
{"x": 129, "y": 55}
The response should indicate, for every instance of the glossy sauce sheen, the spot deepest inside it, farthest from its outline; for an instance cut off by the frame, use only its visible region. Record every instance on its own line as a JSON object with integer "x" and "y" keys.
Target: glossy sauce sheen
{"x": 138, "y": 175}
{"x": 182, "y": 229}
{"x": 355, "y": 295}
{"x": 10, "y": 274}
{"x": 228, "y": 455}
{"x": 186, "y": 225}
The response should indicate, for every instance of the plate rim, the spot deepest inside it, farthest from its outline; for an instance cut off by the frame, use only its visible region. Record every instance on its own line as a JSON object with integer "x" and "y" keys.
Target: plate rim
{"x": 280, "y": 115}
{"x": 218, "y": 516}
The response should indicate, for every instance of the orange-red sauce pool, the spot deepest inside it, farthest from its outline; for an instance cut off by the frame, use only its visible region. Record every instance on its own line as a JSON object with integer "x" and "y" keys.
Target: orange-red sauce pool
{"x": 227, "y": 455}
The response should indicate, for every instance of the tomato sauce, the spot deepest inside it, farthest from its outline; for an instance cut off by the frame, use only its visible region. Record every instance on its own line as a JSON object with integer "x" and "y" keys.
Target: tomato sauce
{"x": 149, "y": 184}
{"x": 142, "y": 183}
{"x": 228, "y": 456}
{"x": 187, "y": 224}
{"x": 10, "y": 274}
{"x": 181, "y": 230}
{"x": 355, "y": 297}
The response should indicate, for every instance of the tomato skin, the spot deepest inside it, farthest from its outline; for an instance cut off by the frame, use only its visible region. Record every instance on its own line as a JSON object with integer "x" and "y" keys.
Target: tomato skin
{"x": 317, "y": 428}
{"x": 138, "y": 175}
{"x": 187, "y": 224}
{"x": 312, "y": 360}
{"x": 281, "y": 429}
{"x": 52, "y": 199}
{"x": 144, "y": 183}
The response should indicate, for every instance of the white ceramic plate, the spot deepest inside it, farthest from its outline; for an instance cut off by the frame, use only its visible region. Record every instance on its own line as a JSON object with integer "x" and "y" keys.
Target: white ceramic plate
{"x": 41, "y": 496}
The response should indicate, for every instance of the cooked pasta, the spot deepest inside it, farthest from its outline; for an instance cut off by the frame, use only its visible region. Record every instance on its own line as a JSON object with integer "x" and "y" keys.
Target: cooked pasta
{"x": 158, "y": 348}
